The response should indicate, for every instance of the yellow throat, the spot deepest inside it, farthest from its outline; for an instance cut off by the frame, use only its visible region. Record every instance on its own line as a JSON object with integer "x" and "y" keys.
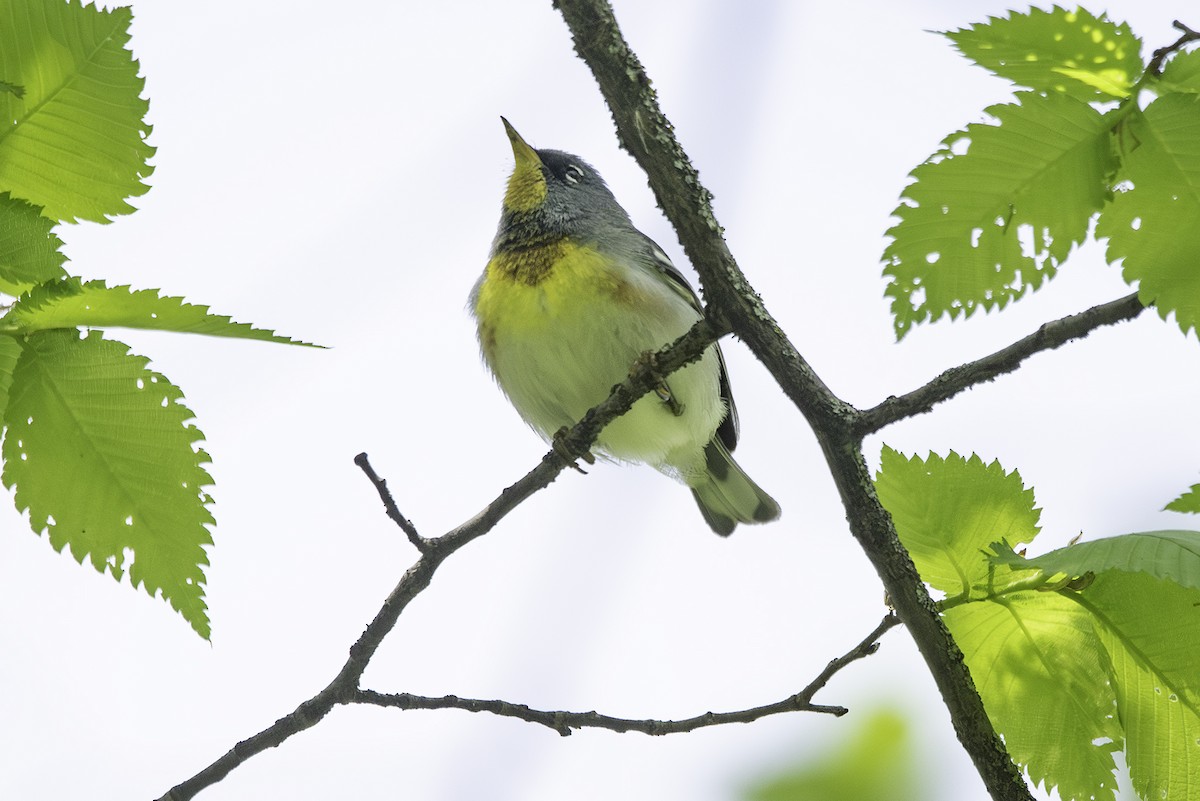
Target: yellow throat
{"x": 526, "y": 186}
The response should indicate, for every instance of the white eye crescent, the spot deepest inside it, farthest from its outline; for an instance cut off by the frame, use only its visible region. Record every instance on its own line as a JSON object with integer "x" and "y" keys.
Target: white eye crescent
{"x": 573, "y": 174}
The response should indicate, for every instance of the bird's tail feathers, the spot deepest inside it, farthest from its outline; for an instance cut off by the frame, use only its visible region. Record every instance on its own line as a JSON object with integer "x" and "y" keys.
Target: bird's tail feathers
{"x": 726, "y": 495}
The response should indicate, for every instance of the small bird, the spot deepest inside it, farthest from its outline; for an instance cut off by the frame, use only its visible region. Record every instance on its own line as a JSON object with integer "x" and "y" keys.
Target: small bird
{"x": 572, "y": 297}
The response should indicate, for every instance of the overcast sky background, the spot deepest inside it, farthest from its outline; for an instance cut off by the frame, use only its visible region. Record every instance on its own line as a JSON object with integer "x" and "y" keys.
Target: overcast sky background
{"x": 335, "y": 173}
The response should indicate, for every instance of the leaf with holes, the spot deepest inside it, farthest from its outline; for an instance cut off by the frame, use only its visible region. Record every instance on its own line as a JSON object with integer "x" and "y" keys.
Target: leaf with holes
{"x": 103, "y": 457}
{"x": 70, "y": 303}
{"x": 1152, "y": 224}
{"x": 74, "y": 141}
{"x": 995, "y": 211}
{"x": 1075, "y": 53}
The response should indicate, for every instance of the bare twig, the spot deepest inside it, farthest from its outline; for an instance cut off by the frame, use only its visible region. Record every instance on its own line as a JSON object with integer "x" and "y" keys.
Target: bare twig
{"x": 434, "y": 551}
{"x": 567, "y": 722}
{"x": 953, "y": 381}
{"x": 389, "y": 504}
{"x": 839, "y": 427}
{"x": 1155, "y": 67}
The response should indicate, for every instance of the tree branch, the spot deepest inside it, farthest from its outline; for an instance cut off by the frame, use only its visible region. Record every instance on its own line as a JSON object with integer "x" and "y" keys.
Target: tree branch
{"x": 953, "y": 381}
{"x": 566, "y": 723}
{"x": 389, "y": 504}
{"x": 645, "y": 132}
{"x": 733, "y": 306}
{"x": 573, "y": 445}
{"x": 1155, "y": 67}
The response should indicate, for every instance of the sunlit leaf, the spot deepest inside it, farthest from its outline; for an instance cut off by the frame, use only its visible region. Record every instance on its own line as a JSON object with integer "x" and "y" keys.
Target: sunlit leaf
{"x": 74, "y": 142}
{"x": 1041, "y": 672}
{"x": 1148, "y": 626}
{"x": 1070, "y": 52}
{"x": 101, "y": 453}
{"x": 948, "y": 511}
{"x": 1152, "y": 224}
{"x": 1173, "y": 555}
{"x": 69, "y": 303}
{"x": 994, "y": 212}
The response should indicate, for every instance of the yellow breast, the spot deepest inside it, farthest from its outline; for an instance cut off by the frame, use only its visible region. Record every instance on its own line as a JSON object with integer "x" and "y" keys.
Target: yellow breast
{"x": 525, "y": 290}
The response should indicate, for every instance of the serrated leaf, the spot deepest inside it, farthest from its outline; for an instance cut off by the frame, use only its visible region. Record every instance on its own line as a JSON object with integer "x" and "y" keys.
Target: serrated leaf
{"x": 70, "y": 303}
{"x": 1188, "y": 502}
{"x": 30, "y": 251}
{"x": 1173, "y": 555}
{"x": 947, "y": 511}
{"x": 1152, "y": 227}
{"x": 1040, "y": 670}
{"x": 74, "y": 144}
{"x": 1157, "y": 619}
{"x": 1069, "y": 52}
{"x": 1148, "y": 627}
{"x": 1181, "y": 74}
{"x": 102, "y": 456}
{"x": 10, "y": 351}
{"x": 993, "y": 213}
{"x": 1065, "y": 52}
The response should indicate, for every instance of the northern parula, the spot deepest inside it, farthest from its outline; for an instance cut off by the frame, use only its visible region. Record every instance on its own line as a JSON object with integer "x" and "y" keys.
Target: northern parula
{"x": 572, "y": 296}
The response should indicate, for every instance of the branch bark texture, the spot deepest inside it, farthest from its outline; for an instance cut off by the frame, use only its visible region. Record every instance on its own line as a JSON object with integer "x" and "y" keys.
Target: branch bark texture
{"x": 645, "y": 132}
{"x": 732, "y": 307}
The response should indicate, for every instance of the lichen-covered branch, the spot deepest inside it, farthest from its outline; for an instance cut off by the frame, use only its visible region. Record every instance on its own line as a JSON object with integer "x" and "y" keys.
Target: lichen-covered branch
{"x": 645, "y": 132}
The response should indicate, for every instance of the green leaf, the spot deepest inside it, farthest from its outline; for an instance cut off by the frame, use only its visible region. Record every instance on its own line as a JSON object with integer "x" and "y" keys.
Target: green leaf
{"x": 875, "y": 760}
{"x": 1188, "y": 502}
{"x": 947, "y": 511}
{"x": 10, "y": 351}
{"x": 30, "y": 252}
{"x": 1041, "y": 672}
{"x": 70, "y": 303}
{"x": 12, "y": 89}
{"x": 1181, "y": 74}
{"x": 1148, "y": 626}
{"x": 102, "y": 456}
{"x": 75, "y": 142}
{"x": 1156, "y": 619}
{"x": 997, "y": 209}
{"x": 1173, "y": 555}
{"x": 1153, "y": 226}
{"x": 1070, "y": 52}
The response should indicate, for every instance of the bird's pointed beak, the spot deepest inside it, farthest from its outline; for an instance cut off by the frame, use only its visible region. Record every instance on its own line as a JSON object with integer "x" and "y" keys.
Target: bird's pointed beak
{"x": 527, "y": 185}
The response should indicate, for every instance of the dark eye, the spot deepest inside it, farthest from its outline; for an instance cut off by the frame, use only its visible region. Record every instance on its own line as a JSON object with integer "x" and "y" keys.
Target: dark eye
{"x": 573, "y": 174}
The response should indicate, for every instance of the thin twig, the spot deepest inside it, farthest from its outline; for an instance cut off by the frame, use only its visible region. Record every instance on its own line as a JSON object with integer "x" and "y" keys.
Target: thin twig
{"x": 389, "y": 504}
{"x": 1155, "y": 67}
{"x": 957, "y": 379}
{"x": 573, "y": 445}
{"x": 567, "y": 722}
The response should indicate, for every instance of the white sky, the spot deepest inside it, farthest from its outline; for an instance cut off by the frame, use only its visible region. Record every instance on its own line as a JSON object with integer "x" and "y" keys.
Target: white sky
{"x": 337, "y": 175}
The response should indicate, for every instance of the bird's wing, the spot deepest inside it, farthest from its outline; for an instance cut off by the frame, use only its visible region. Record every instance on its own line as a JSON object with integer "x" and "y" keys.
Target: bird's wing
{"x": 728, "y": 430}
